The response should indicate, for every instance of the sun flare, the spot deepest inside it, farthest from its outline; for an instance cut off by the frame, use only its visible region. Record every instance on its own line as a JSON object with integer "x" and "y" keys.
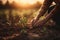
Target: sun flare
{"x": 24, "y": 3}
{"x": 31, "y": 2}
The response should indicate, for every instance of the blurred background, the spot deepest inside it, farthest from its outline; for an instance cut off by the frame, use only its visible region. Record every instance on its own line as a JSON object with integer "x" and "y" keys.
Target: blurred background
{"x": 15, "y": 19}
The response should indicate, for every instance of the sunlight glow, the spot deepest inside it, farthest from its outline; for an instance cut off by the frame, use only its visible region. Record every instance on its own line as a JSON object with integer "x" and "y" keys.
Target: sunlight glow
{"x": 25, "y": 2}
{"x": 28, "y": 1}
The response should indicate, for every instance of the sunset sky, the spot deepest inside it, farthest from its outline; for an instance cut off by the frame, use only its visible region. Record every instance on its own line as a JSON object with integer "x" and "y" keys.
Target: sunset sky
{"x": 24, "y": 1}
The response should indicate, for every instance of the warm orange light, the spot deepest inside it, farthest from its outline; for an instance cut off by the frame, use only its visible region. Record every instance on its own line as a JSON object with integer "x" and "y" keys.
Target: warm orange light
{"x": 24, "y": 1}
{"x": 30, "y": 2}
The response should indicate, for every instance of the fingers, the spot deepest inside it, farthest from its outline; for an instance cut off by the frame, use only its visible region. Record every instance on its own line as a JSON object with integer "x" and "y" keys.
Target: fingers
{"x": 41, "y": 22}
{"x": 44, "y": 8}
